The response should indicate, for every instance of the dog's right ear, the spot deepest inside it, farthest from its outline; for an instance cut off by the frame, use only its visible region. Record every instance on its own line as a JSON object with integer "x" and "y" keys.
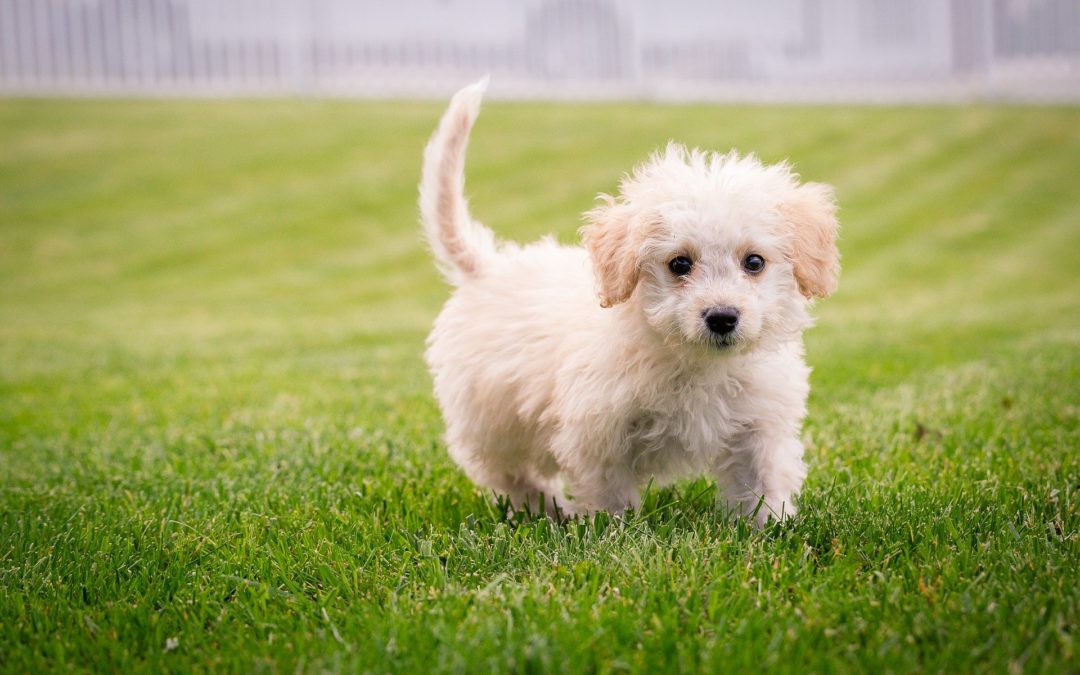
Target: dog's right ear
{"x": 614, "y": 256}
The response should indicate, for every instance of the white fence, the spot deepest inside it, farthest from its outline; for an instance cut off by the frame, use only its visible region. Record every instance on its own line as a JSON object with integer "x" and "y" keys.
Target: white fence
{"x": 683, "y": 49}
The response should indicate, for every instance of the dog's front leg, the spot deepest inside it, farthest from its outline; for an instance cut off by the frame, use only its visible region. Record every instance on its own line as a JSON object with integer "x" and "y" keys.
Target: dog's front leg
{"x": 596, "y": 471}
{"x": 762, "y": 475}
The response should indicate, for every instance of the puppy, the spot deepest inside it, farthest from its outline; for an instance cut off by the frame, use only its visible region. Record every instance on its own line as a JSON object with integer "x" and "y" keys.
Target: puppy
{"x": 669, "y": 345}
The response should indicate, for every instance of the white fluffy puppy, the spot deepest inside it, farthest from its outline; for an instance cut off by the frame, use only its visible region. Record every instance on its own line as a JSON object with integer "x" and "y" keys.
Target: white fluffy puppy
{"x": 670, "y": 344}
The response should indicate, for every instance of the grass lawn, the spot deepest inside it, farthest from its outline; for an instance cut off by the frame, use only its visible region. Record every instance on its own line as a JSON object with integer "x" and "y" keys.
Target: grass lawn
{"x": 219, "y": 449}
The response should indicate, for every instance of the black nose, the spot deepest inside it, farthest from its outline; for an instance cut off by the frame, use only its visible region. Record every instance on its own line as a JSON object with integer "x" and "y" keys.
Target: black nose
{"x": 722, "y": 320}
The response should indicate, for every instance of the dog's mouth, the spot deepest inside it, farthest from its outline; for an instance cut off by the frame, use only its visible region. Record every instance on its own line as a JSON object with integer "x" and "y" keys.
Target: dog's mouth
{"x": 722, "y": 342}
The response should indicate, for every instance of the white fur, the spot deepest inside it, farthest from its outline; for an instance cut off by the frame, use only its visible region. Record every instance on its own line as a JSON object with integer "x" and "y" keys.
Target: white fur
{"x": 546, "y": 392}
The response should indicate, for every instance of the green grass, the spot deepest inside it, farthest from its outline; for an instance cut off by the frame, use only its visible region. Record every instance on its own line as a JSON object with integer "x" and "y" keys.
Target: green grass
{"x": 219, "y": 448}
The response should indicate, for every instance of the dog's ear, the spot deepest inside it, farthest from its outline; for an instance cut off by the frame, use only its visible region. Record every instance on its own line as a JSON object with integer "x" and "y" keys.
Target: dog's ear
{"x": 810, "y": 215}
{"x": 608, "y": 238}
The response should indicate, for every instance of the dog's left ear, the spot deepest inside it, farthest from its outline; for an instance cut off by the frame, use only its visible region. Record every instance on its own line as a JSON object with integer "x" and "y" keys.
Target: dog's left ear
{"x": 608, "y": 239}
{"x": 810, "y": 215}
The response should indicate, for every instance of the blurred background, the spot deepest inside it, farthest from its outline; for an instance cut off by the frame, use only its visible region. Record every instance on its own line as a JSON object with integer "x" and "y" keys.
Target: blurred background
{"x": 786, "y": 50}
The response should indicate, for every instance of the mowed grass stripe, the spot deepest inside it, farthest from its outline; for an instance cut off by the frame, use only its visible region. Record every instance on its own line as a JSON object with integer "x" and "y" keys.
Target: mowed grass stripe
{"x": 226, "y": 230}
{"x": 977, "y": 233}
{"x": 504, "y": 197}
{"x": 937, "y": 173}
{"x": 884, "y": 141}
{"x": 977, "y": 172}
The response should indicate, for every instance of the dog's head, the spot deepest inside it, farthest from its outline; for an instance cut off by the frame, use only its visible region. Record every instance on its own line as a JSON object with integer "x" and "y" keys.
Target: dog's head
{"x": 720, "y": 250}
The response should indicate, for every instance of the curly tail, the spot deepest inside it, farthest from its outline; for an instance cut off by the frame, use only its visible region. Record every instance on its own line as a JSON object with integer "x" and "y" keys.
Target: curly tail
{"x": 460, "y": 244}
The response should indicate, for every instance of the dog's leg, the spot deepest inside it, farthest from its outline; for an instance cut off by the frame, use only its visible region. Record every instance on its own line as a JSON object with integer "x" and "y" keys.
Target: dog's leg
{"x": 610, "y": 487}
{"x": 762, "y": 475}
{"x": 615, "y": 495}
{"x": 519, "y": 485}
{"x": 596, "y": 473}
{"x": 526, "y": 493}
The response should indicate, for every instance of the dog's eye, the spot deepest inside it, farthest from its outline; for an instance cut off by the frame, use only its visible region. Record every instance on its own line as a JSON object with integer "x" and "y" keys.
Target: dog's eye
{"x": 680, "y": 266}
{"x": 753, "y": 263}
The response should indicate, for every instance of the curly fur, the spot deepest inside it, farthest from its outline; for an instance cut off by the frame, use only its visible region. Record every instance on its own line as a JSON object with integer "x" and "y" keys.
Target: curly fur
{"x": 575, "y": 375}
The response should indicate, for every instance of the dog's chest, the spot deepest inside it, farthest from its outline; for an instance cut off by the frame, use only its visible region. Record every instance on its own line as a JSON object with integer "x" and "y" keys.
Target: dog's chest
{"x": 688, "y": 429}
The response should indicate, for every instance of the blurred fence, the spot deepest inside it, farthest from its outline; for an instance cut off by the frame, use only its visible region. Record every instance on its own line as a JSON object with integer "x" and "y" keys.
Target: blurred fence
{"x": 1026, "y": 50}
